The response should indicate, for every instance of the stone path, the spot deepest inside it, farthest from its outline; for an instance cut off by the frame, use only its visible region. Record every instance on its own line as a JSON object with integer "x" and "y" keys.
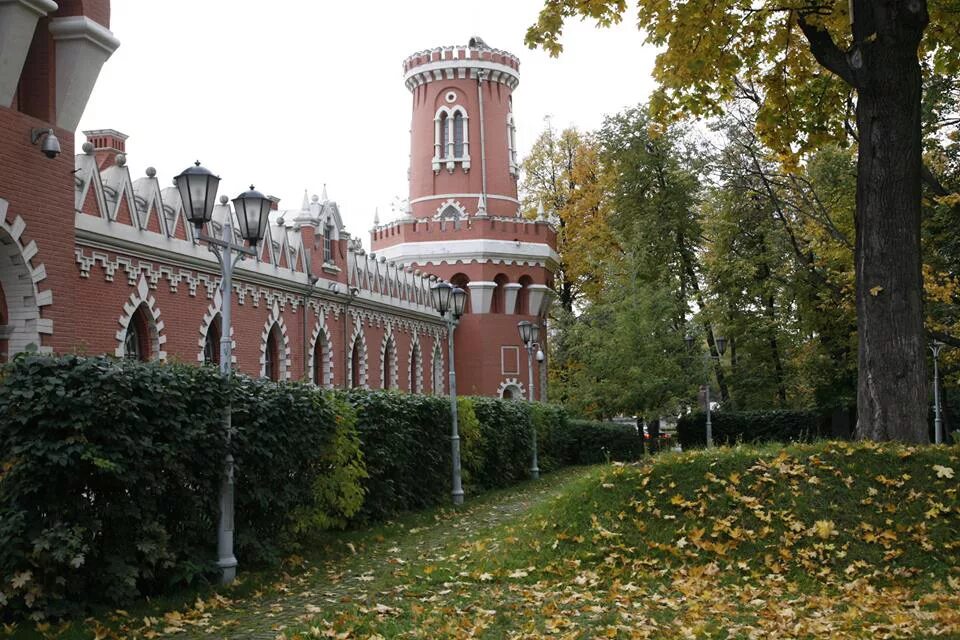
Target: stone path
{"x": 348, "y": 578}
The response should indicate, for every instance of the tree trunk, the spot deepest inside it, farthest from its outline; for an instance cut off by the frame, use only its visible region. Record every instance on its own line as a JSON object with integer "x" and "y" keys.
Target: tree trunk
{"x": 884, "y": 67}
{"x": 892, "y": 381}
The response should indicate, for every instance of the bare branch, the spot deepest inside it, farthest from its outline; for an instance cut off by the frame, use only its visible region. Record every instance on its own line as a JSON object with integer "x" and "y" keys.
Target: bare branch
{"x": 826, "y": 51}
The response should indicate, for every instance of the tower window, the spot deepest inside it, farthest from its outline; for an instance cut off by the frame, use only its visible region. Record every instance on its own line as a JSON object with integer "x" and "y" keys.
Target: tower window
{"x": 328, "y": 243}
{"x": 458, "y": 135}
{"x": 442, "y": 151}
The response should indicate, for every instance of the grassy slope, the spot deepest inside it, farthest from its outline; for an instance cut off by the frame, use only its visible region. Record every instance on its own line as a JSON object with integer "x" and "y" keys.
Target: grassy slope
{"x": 829, "y": 540}
{"x": 832, "y": 540}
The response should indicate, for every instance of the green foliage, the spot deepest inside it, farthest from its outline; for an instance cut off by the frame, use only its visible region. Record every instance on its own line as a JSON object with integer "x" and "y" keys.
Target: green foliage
{"x": 733, "y": 427}
{"x": 109, "y": 481}
{"x": 406, "y": 448}
{"x": 506, "y": 450}
{"x": 551, "y": 422}
{"x": 110, "y": 476}
{"x": 590, "y": 442}
{"x": 471, "y": 437}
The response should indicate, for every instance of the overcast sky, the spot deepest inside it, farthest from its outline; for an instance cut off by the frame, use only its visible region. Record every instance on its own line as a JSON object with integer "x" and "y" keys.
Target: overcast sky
{"x": 294, "y": 94}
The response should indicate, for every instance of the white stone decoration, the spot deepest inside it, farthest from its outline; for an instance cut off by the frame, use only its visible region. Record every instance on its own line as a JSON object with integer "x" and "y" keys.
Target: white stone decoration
{"x": 481, "y": 295}
{"x": 415, "y": 364}
{"x": 513, "y": 385}
{"x": 359, "y": 340}
{"x": 510, "y": 290}
{"x": 18, "y": 21}
{"x": 21, "y": 280}
{"x": 437, "y": 369}
{"x": 82, "y": 46}
{"x": 212, "y": 313}
{"x": 275, "y": 318}
{"x": 321, "y": 336}
{"x": 141, "y": 298}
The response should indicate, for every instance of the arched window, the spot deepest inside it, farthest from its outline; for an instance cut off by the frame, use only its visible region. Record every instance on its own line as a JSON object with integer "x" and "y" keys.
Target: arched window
{"x": 443, "y": 150}
{"x": 458, "y": 135}
{"x": 211, "y": 343}
{"x": 415, "y": 369}
{"x": 388, "y": 364}
{"x": 328, "y": 243}
{"x": 271, "y": 363}
{"x": 437, "y": 370}
{"x": 319, "y": 361}
{"x": 355, "y": 377}
{"x": 523, "y": 296}
{"x": 136, "y": 345}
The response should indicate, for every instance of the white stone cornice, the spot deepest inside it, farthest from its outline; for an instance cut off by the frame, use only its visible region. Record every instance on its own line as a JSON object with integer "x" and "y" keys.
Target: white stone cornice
{"x": 478, "y": 250}
{"x": 431, "y": 71}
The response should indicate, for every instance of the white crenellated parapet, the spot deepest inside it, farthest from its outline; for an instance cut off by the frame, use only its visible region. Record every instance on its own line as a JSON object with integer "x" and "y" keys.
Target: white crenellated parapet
{"x": 481, "y": 295}
{"x": 476, "y": 61}
{"x": 18, "y": 20}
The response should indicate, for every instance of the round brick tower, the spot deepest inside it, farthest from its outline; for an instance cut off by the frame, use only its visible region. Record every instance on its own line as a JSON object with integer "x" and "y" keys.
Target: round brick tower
{"x": 463, "y": 221}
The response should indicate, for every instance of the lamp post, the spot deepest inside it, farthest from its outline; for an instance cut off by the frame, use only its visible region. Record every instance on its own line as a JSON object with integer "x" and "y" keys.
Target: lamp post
{"x": 935, "y": 347}
{"x": 449, "y": 302}
{"x": 529, "y": 333}
{"x": 198, "y": 191}
{"x": 707, "y": 359}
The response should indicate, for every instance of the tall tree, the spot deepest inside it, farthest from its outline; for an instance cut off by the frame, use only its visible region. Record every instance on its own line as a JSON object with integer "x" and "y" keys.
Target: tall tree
{"x": 710, "y": 47}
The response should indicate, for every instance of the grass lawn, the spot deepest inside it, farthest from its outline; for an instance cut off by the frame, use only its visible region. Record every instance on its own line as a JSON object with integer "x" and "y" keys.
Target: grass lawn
{"x": 833, "y": 540}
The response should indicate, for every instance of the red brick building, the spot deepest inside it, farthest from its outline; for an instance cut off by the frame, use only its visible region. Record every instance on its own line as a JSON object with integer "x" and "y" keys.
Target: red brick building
{"x": 129, "y": 278}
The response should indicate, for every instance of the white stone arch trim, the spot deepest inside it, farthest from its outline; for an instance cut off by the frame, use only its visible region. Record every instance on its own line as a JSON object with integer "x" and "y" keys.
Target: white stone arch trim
{"x": 156, "y": 334}
{"x": 450, "y": 202}
{"x": 214, "y": 310}
{"x": 436, "y": 368}
{"x": 322, "y": 333}
{"x": 275, "y": 319}
{"x": 389, "y": 343}
{"x": 415, "y": 363}
{"x": 512, "y": 383}
{"x": 358, "y": 335}
{"x": 25, "y": 295}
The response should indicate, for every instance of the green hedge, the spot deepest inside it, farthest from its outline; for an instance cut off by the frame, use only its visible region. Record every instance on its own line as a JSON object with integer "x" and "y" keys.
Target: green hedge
{"x": 590, "y": 442}
{"x": 406, "y": 447}
{"x": 110, "y": 470}
{"x": 110, "y": 473}
{"x": 731, "y": 427}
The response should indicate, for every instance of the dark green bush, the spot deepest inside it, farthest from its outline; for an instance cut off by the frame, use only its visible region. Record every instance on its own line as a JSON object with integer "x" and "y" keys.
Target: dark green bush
{"x": 109, "y": 479}
{"x": 406, "y": 447}
{"x": 110, "y": 474}
{"x": 506, "y": 445}
{"x": 731, "y": 427}
{"x": 551, "y": 423}
{"x": 590, "y": 442}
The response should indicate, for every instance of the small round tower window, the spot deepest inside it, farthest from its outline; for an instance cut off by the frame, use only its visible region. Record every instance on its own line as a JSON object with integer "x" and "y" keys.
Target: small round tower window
{"x": 451, "y": 96}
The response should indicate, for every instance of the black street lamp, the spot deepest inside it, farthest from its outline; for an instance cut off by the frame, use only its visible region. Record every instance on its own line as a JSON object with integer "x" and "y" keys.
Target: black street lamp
{"x": 449, "y": 302}
{"x": 529, "y": 334}
{"x": 198, "y": 192}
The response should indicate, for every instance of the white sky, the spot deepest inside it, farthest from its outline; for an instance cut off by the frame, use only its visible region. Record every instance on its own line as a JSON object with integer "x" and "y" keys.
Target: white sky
{"x": 292, "y": 94}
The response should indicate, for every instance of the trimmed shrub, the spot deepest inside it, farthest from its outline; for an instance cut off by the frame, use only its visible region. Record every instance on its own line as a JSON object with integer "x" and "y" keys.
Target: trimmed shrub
{"x": 551, "y": 423}
{"x": 406, "y": 447}
{"x": 285, "y": 445}
{"x": 109, "y": 481}
{"x": 110, "y": 475}
{"x": 731, "y": 427}
{"x": 506, "y": 445}
{"x": 590, "y": 442}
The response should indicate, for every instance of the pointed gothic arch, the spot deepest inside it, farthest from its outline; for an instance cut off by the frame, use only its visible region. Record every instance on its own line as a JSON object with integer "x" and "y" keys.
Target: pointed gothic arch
{"x": 275, "y": 347}
{"x": 436, "y": 369}
{"x": 357, "y": 359}
{"x": 321, "y": 356}
{"x": 415, "y": 365}
{"x": 140, "y": 326}
{"x": 388, "y": 361}
{"x": 20, "y": 282}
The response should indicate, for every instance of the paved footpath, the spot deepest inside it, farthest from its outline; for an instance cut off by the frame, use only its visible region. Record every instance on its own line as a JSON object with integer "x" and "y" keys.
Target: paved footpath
{"x": 265, "y": 614}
